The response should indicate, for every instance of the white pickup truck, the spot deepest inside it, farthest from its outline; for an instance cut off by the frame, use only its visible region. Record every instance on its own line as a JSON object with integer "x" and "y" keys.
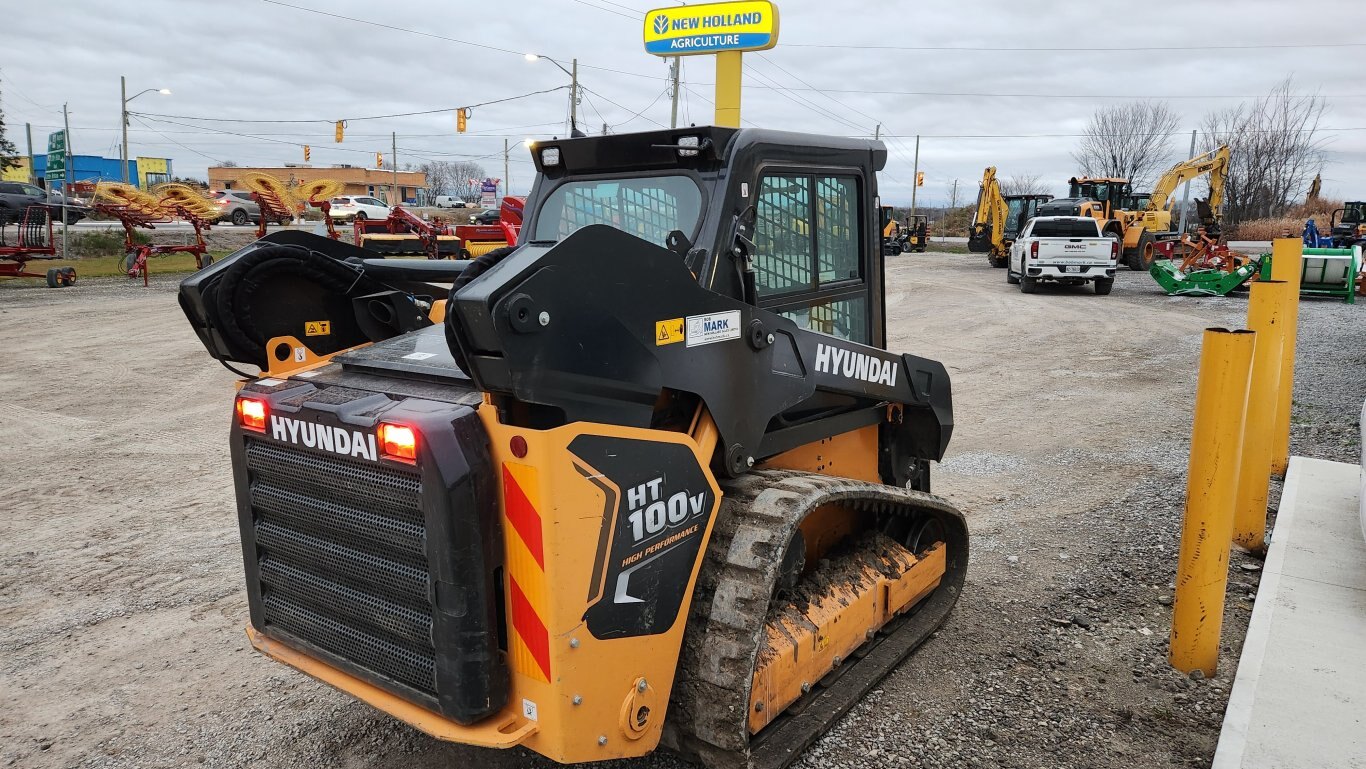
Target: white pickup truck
{"x": 1067, "y": 249}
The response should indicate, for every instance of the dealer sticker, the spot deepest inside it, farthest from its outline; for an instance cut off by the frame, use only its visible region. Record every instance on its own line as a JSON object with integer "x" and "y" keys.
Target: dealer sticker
{"x": 709, "y": 329}
{"x": 419, "y": 355}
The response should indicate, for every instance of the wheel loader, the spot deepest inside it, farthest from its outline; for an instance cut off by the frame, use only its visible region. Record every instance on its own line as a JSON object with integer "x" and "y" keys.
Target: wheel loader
{"x": 650, "y": 479}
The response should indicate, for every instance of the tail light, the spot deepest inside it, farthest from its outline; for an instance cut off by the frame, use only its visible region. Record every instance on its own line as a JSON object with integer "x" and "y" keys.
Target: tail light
{"x": 251, "y": 413}
{"x": 1034, "y": 250}
{"x": 1114, "y": 249}
{"x": 397, "y": 442}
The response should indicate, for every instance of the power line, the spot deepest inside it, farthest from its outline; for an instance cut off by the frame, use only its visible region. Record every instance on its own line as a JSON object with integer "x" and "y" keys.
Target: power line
{"x": 1070, "y": 49}
{"x": 178, "y": 144}
{"x": 625, "y": 109}
{"x": 351, "y": 119}
{"x": 637, "y": 17}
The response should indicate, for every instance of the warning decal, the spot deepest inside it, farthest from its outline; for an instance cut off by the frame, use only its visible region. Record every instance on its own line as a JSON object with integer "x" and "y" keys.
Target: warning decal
{"x": 317, "y": 328}
{"x": 668, "y": 331}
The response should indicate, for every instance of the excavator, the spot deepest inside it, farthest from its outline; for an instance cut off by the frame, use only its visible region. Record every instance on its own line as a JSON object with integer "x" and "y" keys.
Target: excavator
{"x": 1000, "y": 218}
{"x": 1155, "y": 217}
{"x": 1139, "y": 230}
{"x": 648, "y": 479}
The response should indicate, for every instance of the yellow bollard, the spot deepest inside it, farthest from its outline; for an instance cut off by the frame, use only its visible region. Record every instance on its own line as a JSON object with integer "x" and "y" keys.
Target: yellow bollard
{"x": 1287, "y": 264}
{"x": 1216, "y": 440}
{"x": 1266, "y": 310}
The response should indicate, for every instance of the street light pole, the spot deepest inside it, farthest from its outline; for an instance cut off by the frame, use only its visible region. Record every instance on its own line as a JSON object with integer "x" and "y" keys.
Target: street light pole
{"x": 123, "y": 123}
{"x": 124, "y": 98}
{"x": 573, "y": 89}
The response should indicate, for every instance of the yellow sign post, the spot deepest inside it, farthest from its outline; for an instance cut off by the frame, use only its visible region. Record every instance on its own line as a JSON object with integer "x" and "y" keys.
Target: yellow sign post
{"x": 724, "y": 29}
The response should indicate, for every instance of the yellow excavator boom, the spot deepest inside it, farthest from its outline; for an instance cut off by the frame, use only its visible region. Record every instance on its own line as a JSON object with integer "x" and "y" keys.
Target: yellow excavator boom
{"x": 1214, "y": 163}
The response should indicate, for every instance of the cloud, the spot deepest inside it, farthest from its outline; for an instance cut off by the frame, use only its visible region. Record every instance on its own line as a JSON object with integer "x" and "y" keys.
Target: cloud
{"x": 254, "y": 60}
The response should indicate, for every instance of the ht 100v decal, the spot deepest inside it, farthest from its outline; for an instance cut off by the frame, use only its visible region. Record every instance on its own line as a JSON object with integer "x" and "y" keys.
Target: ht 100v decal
{"x": 659, "y": 504}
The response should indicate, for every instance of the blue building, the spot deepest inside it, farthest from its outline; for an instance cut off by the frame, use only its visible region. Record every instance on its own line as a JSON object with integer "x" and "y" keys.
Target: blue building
{"x": 89, "y": 169}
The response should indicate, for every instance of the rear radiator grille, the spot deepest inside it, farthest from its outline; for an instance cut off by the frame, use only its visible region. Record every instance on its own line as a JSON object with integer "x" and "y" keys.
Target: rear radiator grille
{"x": 341, "y": 556}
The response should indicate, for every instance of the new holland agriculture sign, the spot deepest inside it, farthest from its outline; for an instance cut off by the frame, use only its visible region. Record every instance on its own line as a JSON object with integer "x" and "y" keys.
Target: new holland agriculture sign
{"x": 749, "y": 25}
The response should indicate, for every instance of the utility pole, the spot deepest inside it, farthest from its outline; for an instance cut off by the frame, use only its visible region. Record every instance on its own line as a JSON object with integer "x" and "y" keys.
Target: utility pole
{"x": 66, "y": 175}
{"x": 673, "y": 78}
{"x": 877, "y": 132}
{"x": 573, "y": 97}
{"x": 28, "y": 132}
{"x": 604, "y": 129}
{"x": 953, "y": 198}
{"x": 397, "y": 196}
{"x": 507, "y": 176}
{"x": 123, "y": 125}
{"x": 1186, "y": 194}
{"x": 915, "y": 181}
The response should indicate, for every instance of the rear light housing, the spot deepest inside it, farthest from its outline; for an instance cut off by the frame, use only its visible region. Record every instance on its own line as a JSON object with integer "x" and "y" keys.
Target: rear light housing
{"x": 397, "y": 442}
{"x": 1034, "y": 250}
{"x": 252, "y": 414}
{"x": 1114, "y": 249}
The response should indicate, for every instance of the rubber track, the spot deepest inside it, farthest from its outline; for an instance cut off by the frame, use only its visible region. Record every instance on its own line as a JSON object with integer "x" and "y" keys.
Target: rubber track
{"x": 708, "y": 715}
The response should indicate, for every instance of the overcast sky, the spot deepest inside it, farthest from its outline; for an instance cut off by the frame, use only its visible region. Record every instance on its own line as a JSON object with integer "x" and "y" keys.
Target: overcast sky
{"x": 261, "y": 61}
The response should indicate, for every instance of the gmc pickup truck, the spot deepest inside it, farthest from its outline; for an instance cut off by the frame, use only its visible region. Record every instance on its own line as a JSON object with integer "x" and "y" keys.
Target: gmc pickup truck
{"x": 1068, "y": 249}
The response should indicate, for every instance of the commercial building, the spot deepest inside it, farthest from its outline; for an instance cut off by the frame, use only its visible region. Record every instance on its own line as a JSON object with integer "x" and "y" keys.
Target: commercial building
{"x": 91, "y": 169}
{"x": 358, "y": 181}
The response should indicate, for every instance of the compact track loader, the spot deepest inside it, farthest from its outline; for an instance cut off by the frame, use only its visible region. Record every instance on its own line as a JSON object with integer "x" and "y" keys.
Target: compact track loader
{"x": 648, "y": 479}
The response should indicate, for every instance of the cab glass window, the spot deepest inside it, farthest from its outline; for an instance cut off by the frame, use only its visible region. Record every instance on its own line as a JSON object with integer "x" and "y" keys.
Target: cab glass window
{"x": 808, "y": 260}
{"x": 648, "y": 207}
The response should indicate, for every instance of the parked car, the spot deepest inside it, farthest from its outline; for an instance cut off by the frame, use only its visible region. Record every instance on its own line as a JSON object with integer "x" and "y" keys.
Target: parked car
{"x": 239, "y": 207}
{"x": 449, "y": 201}
{"x": 490, "y": 216}
{"x": 1067, "y": 249}
{"x": 16, "y": 196}
{"x": 348, "y": 207}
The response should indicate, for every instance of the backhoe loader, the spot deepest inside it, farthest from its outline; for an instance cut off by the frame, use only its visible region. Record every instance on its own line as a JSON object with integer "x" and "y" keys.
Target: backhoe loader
{"x": 999, "y": 219}
{"x": 648, "y": 479}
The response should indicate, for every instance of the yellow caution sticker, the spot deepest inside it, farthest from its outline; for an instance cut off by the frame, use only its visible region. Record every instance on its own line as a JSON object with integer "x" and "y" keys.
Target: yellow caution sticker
{"x": 668, "y": 331}
{"x": 317, "y": 328}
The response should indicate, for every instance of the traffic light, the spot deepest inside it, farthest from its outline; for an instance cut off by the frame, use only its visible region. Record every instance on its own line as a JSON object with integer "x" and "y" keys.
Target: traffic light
{"x": 340, "y": 124}
{"x": 920, "y": 178}
{"x": 306, "y": 153}
{"x": 461, "y": 115}
{"x": 379, "y": 160}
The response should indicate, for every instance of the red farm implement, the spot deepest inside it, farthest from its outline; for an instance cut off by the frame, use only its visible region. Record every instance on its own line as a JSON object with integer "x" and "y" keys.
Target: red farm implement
{"x": 26, "y": 236}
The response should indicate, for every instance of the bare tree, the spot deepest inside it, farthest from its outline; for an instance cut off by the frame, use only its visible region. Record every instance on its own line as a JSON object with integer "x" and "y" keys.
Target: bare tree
{"x": 1274, "y": 150}
{"x": 1024, "y": 184}
{"x": 1130, "y": 141}
{"x": 460, "y": 178}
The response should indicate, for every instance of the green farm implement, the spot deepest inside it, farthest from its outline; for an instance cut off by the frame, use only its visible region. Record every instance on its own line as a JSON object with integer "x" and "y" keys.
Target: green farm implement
{"x": 1204, "y": 281}
{"x": 1334, "y": 272}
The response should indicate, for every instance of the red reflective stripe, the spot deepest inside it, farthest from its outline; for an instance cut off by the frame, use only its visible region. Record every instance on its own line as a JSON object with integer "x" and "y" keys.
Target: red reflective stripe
{"x": 529, "y": 626}
{"x": 523, "y": 517}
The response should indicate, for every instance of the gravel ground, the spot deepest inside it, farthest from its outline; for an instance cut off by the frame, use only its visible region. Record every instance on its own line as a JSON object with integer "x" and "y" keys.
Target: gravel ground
{"x": 121, "y": 606}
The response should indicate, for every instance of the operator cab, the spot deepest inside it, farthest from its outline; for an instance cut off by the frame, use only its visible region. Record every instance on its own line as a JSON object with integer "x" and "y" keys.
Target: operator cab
{"x": 808, "y": 205}
{"x": 1109, "y": 192}
{"x": 1020, "y": 209}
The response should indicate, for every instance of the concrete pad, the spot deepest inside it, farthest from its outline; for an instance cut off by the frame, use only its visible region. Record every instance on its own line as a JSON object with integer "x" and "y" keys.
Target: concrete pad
{"x": 1299, "y": 698}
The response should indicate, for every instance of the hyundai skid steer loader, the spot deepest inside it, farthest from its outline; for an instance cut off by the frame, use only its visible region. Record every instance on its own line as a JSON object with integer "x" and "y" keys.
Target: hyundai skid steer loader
{"x": 650, "y": 479}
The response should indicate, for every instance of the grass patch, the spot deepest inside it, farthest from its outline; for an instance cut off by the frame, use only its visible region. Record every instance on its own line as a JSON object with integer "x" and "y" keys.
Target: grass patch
{"x": 108, "y": 266}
